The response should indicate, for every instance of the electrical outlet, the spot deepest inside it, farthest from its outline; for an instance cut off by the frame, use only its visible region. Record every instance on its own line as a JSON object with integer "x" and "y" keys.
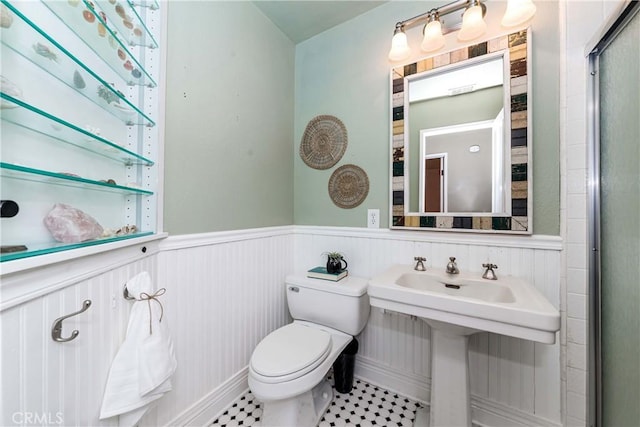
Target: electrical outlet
{"x": 373, "y": 218}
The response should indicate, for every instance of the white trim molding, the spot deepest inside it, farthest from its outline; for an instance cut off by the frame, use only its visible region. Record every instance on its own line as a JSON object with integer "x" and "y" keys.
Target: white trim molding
{"x": 206, "y": 410}
{"x": 188, "y": 241}
{"x": 536, "y": 241}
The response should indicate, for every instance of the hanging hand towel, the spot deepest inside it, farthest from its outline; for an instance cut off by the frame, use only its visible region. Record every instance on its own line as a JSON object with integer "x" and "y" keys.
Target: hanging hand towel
{"x": 141, "y": 371}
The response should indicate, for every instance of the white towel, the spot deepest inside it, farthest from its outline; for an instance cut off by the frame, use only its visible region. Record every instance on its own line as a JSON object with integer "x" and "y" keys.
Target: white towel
{"x": 141, "y": 371}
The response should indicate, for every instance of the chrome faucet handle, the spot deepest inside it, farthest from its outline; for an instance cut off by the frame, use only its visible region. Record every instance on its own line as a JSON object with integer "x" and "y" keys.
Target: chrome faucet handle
{"x": 489, "y": 274}
{"x": 419, "y": 263}
{"x": 452, "y": 267}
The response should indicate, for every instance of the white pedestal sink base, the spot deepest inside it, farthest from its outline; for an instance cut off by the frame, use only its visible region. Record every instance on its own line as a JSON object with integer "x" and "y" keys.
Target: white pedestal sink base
{"x": 450, "y": 396}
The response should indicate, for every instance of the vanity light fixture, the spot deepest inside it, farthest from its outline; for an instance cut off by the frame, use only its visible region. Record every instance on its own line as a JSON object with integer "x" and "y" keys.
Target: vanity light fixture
{"x": 399, "y": 47}
{"x": 473, "y": 25}
{"x": 518, "y": 12}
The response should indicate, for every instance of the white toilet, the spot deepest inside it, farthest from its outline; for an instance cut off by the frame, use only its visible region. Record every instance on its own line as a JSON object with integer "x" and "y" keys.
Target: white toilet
{"x": 288, "y": 367}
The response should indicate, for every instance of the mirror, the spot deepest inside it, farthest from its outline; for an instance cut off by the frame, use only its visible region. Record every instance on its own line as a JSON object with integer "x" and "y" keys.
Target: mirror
{"x": 460, "y": 139}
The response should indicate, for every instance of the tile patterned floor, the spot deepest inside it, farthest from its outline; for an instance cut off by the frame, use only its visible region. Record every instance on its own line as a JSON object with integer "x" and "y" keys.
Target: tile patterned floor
{"x": 365, "y": 405}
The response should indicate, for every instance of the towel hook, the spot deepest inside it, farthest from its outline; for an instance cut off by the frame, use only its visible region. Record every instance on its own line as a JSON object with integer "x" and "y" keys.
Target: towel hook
{"x": 126, "y": 294}
{"x": 56, "y": 329}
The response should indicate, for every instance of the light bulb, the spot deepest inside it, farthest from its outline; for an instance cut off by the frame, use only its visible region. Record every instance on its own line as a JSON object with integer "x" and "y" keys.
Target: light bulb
{"x": 433, "y": 38}
{"x": 518, "y": 12}
{"x": 399, "y": 47}
{"x": 473, "y": 25}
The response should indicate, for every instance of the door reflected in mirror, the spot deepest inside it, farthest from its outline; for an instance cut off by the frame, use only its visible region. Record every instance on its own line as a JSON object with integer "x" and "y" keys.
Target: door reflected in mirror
{"x": 462, "y": 168}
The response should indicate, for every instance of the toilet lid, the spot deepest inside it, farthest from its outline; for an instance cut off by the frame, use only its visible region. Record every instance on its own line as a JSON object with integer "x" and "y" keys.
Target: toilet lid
{"x": 290, "y": 349}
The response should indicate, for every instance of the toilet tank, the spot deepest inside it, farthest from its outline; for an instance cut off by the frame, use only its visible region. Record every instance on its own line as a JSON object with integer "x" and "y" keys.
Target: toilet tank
{"x": 342, "y": 305}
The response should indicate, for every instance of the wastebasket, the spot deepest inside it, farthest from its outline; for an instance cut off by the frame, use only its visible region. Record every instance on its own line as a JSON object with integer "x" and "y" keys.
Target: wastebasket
{"x": 343, "y": 368}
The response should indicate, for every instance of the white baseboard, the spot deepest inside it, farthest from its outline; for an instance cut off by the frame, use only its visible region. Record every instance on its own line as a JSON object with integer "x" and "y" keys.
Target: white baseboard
{"x": 211, "y": 406}
{"x": 412, "y": 386}
{"x": 484, "y": 412}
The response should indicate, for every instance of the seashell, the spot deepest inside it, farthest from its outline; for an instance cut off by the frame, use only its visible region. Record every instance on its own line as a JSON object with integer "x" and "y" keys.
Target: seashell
{"x": 120, "y": 11}
{"x": 44, "y": 50}
{"x": 78, "y": 81}
{"x": 102, "y": 31}
{"x": 121, "y": 54}
{"x": 73, "y": 3}
{"x": 137, "y": 31}
{"x": 6, "y": 18}
{"x": 108, "y": 232}
{"x": 107, "y": 95}
{"x": 11, "y": 89}
{"x": 112, "y": 42}
{"x": 88, "y": 16}
{"x": 127, "y": 66}
{"x": 127, "y": 24}
{"x": 136, "y": 73}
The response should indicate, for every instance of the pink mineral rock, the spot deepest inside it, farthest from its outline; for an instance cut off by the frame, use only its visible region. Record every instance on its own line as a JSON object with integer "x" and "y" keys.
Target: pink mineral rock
{"x": 70, "y": 225}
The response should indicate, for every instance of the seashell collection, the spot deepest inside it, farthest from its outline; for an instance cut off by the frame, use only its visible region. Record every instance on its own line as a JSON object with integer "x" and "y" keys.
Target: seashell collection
{"x": 89, "y": 16}
{"x": 122, "y": 231}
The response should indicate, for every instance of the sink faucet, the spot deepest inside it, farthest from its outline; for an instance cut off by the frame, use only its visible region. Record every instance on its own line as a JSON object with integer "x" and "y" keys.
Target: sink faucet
{"x": 452, "y": 267}
{"x": 489, "y": 274}
{"x": 419, "y": 263}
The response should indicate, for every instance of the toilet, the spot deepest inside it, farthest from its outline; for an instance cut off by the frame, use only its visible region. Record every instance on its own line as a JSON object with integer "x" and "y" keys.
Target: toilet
{"x": 288, "y": 368}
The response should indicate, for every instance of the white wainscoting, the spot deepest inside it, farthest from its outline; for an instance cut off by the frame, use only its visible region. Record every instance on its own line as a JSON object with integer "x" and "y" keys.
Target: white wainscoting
{"x": 50, "y": 383}
{"x": 225, "y": 292}
{"x": 516, "y": 379}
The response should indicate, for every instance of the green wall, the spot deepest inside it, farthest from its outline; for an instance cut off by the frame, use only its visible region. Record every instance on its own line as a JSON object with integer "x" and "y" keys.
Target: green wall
{"x": 229, "y": 119}
{"x": 345, "y": 72}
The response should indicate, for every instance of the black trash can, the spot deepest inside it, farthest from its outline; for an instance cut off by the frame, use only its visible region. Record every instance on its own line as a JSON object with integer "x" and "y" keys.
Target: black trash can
{"x": 343, "y": 368}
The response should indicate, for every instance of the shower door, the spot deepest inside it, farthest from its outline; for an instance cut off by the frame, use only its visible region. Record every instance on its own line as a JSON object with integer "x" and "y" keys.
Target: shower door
{"x": 615, "y": 219}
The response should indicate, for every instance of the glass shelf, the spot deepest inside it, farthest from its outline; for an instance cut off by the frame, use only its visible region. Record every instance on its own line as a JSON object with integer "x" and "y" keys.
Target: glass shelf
{"x": 35, "y": 249}
{"x": 151, "y": 4}
{"x": 44, "y": 123}
{"x": 127, "y": 23}
{"x": 8, "y": 170}
{"x": 28, "y": 40}
{"x": 89, "y": 25}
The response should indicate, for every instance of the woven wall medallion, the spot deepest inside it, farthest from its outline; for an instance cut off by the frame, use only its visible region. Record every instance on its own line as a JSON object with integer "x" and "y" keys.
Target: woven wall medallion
{"x": 324, "y": 142}
{"x": 348, "y": 186}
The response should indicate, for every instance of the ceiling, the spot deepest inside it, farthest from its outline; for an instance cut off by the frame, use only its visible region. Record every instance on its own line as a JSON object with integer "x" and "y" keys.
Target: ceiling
{"x": 303, "y": 19}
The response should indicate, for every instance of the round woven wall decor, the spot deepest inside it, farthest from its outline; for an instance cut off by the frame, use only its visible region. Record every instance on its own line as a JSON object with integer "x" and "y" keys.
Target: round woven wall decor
{"x": 348, "y": 186}
{"x": 324, "y": 142}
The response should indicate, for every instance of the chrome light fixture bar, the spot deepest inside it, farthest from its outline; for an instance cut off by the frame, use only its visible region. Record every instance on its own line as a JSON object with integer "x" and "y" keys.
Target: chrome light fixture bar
{"x": 473, "y": 25}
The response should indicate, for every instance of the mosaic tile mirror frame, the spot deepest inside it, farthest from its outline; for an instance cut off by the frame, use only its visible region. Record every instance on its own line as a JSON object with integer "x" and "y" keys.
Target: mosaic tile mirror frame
{"x": 515, "y": 49}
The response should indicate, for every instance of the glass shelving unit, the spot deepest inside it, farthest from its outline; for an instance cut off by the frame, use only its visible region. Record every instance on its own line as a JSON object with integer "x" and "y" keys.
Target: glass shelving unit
{"x": 127, "y": 23}
{"x": 96, "y": 31}
{"x": 24, "y": 173}
{"x": 40, "y": 121}
{"x": 44, "y": 248}
{"x": 53, "y": 58}
{"x": 50, "y": 36}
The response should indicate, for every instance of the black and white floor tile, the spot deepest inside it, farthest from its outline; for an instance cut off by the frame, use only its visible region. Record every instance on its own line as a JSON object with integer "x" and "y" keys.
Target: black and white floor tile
{"x": 366, "y": 405}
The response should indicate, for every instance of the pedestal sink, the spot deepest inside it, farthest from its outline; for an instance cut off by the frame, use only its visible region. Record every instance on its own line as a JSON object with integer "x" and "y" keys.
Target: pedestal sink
{"x": 456, "y": 306}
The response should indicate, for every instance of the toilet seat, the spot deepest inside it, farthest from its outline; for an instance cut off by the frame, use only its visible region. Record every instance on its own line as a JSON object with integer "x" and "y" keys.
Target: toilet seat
{"x": 290, "y": 352}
